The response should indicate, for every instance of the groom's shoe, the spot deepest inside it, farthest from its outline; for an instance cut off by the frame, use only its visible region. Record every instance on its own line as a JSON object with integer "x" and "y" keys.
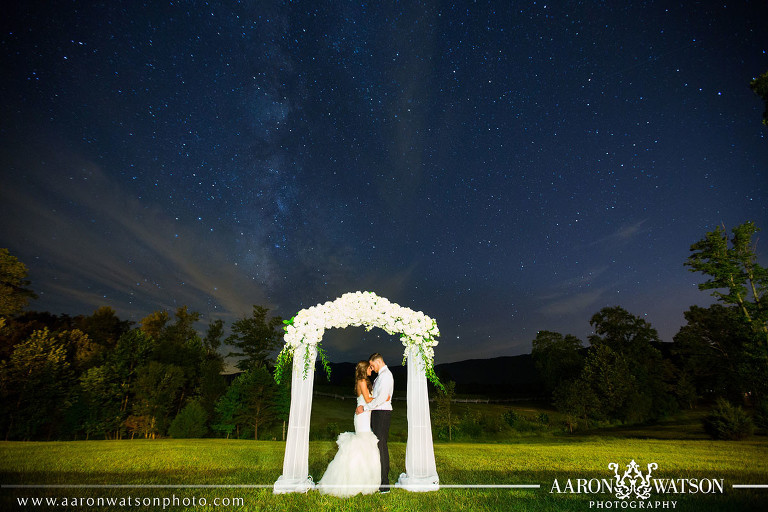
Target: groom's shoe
{"x": 384, "y": 490}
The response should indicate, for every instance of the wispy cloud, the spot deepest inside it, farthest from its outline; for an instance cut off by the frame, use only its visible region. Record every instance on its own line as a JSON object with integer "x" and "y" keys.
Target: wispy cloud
{"x": 151, "y": 259}
{"x": 587, "y": 278}
{"x": 629, "y": 231}
{"x": 623, "y": 234}
{"x": 574, "y": 304}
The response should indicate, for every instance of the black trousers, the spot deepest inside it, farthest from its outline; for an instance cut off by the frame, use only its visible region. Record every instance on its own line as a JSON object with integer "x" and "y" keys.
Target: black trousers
{"x": 380, "y": 421}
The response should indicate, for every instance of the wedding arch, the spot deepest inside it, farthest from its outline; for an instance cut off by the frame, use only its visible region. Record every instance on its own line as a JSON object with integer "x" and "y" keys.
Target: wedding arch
{"x": 303, "y": 334}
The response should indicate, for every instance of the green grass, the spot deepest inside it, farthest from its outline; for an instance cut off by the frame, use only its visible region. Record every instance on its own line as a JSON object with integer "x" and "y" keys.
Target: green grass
{"x": 535, "y": 460}
{"x": 326, "y": 410}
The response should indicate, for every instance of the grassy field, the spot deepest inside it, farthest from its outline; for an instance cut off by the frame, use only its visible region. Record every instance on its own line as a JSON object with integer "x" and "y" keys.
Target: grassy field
{"x": 334, "y": 413}
{"x": 241, "y": 462}
{"x": 505, "y": 456}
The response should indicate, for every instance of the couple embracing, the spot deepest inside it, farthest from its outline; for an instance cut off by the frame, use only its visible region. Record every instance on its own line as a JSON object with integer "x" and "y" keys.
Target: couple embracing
{"x": 362, "y": 463}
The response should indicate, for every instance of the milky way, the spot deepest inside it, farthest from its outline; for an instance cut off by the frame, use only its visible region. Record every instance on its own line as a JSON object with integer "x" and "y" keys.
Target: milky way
{"x": 505, "y": 170}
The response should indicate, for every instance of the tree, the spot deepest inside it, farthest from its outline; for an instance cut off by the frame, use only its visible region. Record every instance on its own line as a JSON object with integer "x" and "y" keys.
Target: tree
{"x": 622, "y": 331}
{"x": 101, "y": 394}
{"x": 82, "y": 352}
{"x": 282, "y": 402}
{"x": 710, "y": 351}
{"x": 144, "y": 425}
{"x": 156, "y": 388}
{"x": 154, "y": 323}
{"x": 760, "y": 87}
{"x": 36, "y": 385}
{"x": 607, "y": 373}
{"x": 132, "y": 351}
{"x": 632, "y": 379}
{"x": 577, "y": 401}
{"x": 734, "y": 268}
{"x": 226, "y": 410}
{"x": 686, "y": 391}
{"x": 19, "y": 328}
{"x": 557, "y": 357}
{"x": 255, "y": 337}
{"x": 257, "y": 405}
{"x": 213, "y": 336}
{"x": 212, "y": 383}
{"x": 444, "y": 415}
{"x": 189, "y": 423}
{"x": 249, "y": 400}
{"x": 103, "y": 326}
{"x": 728, "y": 422}
{"x": 14, "y": 294}
{"x": 184, "y": 347}
{"x": 178, "y": 344}
{"x": 182, "y": 330}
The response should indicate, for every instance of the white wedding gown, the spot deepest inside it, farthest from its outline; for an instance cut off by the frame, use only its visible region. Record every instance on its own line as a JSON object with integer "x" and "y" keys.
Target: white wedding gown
{"x": 356, "y": 468}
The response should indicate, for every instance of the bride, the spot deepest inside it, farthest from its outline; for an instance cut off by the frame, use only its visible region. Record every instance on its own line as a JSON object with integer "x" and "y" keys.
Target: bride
{"x": 356, "y": 468}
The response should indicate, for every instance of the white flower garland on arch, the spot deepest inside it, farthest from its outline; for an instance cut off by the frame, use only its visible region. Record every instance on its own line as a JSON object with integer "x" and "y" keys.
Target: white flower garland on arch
{"x": 417, "y": 330}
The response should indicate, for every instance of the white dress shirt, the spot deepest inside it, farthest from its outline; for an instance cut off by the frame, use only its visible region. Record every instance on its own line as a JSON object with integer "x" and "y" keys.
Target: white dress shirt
{"x": 383, "y": 388}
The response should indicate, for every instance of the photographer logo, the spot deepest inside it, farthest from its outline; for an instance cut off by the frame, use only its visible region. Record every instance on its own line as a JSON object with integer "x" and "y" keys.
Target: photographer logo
{"x": 634, "y": 488}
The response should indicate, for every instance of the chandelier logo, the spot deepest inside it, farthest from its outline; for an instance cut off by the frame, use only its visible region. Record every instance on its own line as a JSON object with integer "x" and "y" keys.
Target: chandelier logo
{"x": 633, "y": 482}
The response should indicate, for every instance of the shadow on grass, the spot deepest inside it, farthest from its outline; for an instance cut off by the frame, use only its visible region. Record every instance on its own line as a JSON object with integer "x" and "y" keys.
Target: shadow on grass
{"x": 233, "y": 476}
{"x": 445, "y": 499}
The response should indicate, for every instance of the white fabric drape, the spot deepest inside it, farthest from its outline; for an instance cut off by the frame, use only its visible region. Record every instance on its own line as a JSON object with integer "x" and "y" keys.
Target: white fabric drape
{"x": 420, "y": 470}
{"x": 295, "y": 477}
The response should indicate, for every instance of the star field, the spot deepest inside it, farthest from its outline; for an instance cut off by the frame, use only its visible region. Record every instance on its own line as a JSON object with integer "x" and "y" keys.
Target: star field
{"x": 505, "y": 169}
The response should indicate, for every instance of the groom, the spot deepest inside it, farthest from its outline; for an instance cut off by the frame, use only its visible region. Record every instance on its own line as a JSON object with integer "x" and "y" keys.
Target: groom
{"x": 381, "y": 412}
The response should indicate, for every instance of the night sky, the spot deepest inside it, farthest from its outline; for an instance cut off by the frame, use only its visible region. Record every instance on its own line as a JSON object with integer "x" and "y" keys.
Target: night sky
{"x": 503, "y": 169}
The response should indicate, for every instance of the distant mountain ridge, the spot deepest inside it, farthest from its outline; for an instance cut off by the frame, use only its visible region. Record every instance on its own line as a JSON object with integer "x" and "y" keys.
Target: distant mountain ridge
{"x": 498, "y": 377}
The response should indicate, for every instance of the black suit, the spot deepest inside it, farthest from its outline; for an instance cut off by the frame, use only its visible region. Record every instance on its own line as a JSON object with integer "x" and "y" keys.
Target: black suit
{"x": 380, "y": 421}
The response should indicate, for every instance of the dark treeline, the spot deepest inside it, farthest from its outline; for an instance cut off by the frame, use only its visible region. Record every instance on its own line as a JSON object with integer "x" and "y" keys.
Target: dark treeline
{"x": 628, "y": 374}
{"x": 97, "y": 376}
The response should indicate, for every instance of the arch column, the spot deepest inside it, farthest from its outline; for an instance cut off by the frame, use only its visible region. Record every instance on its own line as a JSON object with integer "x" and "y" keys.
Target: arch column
{"x": 420, "y": 469}
{"x": 295, "y": 477}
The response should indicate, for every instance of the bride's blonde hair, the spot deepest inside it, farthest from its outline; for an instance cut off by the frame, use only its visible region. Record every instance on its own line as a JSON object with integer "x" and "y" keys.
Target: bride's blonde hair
{"x": 361, "y": 373}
